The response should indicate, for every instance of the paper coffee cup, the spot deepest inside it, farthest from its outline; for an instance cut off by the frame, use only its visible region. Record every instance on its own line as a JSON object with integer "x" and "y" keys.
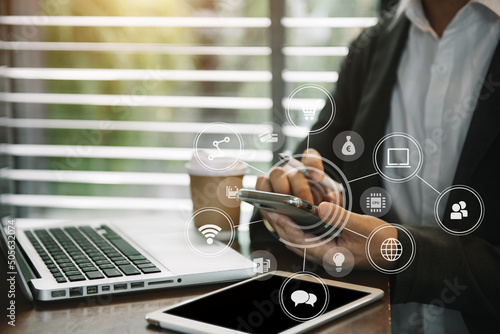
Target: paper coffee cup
{"x": 215, "y": 187}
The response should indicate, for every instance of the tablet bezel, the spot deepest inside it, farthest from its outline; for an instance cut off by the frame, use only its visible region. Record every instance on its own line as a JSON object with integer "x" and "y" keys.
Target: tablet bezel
{"x": 181, "y": 324}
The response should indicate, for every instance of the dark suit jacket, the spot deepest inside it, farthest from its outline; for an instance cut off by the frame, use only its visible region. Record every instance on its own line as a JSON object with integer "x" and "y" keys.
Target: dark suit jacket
{"x": 363, "y": 104}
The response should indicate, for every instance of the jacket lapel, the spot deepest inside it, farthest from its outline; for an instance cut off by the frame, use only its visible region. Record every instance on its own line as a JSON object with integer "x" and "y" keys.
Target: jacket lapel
{"x": 371, "y": 119}
{"x": 485, "y": 123}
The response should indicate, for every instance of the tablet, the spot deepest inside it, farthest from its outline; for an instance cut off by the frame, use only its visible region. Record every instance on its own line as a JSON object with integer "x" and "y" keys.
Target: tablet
{"x": 278, "y": 302}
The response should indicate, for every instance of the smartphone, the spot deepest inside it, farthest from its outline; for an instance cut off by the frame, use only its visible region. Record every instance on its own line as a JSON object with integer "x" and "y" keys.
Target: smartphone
{"x": 277, "y": 303}
{"x": 303, "y": 213}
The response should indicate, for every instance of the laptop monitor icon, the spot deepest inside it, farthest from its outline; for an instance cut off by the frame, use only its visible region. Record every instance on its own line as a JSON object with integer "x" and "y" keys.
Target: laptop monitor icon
{"x": 398, "y": 158}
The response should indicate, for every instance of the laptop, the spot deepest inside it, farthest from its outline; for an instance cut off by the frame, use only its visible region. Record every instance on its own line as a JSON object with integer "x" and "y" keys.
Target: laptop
{"x": 96, "y": 257}
{"x": 398, "y": 158}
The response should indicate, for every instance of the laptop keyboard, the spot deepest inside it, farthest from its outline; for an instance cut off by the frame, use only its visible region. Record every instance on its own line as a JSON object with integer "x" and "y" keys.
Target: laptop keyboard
{"x": 80, "y": 253}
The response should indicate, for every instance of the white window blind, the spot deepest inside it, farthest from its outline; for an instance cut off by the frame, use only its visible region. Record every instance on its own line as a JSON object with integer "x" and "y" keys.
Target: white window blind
{"x": 101, "y": 102}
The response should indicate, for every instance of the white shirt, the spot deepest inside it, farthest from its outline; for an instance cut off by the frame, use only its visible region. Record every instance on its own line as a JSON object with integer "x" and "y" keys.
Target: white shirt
{"x": 436, "y": 92}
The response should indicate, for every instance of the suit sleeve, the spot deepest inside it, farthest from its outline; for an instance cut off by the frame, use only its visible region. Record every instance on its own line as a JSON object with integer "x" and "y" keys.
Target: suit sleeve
{"x": 345, "y": 97}
{"x": 461, "y": 273}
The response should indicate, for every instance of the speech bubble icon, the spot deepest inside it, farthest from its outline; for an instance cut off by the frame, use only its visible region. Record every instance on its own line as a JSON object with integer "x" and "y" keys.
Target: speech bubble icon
{"x": 312, "y": 299}
{"x": 299, "y": 297}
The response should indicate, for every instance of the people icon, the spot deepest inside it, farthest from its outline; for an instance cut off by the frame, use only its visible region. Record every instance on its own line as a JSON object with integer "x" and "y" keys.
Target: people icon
{"x": 459, "y": 211}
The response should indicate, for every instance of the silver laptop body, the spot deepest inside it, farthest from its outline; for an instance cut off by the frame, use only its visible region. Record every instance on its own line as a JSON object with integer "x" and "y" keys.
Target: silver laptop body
{"x": 162, "y": 257}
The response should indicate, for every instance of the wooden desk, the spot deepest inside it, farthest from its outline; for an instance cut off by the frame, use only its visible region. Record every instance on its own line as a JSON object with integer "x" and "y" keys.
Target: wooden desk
{"x": 125, "y": 313}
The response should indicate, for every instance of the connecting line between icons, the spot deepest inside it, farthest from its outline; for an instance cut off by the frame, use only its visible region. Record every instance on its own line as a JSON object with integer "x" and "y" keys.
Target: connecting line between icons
{"x": 253, "y": 167}
{"x": 304, "y": 262}
{"x": 257, "y": 221}
{"x": 345, "y": 228}
{"x": 439, "y": 193}
{"x": 362, "y": 177}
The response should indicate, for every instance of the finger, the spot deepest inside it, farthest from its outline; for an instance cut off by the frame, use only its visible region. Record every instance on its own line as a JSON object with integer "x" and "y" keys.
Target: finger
{"x": 334, "y": 197}
{"x": 298, "y": 184}
{"x": 278, "y": 222}
{"x": 279, "y": 181}
{"x": 333, "y": 214}
{"x": 263, "y": 184}
{"x": 312, "y": 160}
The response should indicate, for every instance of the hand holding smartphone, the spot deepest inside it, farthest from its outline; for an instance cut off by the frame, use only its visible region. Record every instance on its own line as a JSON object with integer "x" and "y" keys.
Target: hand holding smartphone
{"x": 303, "y": 213}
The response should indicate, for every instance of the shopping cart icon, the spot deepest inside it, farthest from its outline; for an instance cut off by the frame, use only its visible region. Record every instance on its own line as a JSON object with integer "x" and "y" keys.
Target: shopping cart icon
{"x": 309, "y": 111}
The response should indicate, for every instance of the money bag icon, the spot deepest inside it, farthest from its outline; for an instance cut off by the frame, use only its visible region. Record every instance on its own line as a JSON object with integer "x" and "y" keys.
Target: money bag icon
{"x": 348, "y": 148}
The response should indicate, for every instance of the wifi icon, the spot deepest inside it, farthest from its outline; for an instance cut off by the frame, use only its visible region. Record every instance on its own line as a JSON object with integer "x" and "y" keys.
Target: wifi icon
{"x": 209, "y": 231}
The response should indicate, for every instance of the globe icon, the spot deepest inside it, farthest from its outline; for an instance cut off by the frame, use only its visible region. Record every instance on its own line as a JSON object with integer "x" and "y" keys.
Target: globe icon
{"x": 391, "y": 249}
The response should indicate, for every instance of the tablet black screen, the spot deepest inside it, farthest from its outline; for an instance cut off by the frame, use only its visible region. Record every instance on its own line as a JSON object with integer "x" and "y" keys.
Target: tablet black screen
{"x": 254, "y": 307}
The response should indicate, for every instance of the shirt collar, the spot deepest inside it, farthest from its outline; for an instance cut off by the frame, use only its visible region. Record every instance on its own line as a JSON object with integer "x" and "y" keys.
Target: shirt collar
{"x": 415, "y": 11}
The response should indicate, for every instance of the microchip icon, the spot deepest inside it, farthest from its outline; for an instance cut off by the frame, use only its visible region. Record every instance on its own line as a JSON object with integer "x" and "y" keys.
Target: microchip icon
{"x": 376, "y": 203}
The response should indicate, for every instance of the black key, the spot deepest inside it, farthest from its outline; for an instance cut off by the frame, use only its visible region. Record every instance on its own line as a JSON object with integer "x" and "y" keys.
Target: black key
{"x": 55, "y": 270}
{"x": 73, "y": 273}
{"x": 150, "y": 270}
{"x": 113, "y": 254}
{"x": 129, "y": 270}
{"x": 86, "y": 264}
{"x": 87, "y": 269}
{"x": 146, "y": 265}
{"x": 137, "y": 257}
{"x": 68, "y": 269}
{"x": 106, "y": 266}
{"x": 122, "y": 262}
{"x": 65, "y": 265}
{"x": 94, "y": 275}
{"x": 60, "y": 279}
{"x": 50, "y": 266}
{"x": 102, "y": 262}
{"x": 124, "y": 247}
{"x": 118, "y": 258}
{"x": 141, "y": 261}
{"x": 112, "y": 272}
{"x": 59, "y": 274}
{"x": 82, "y": 261}
{"x": 66, "y": 260}
{"x": 76, "y": 278}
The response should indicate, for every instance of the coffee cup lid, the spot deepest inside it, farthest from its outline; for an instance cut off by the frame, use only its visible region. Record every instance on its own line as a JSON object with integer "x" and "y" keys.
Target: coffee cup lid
{"x": 220, "y": 166}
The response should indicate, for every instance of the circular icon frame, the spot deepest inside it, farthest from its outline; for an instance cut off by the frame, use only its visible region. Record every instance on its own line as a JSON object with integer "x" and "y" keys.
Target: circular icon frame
{"x": 342, "y": 139}
{"x": 263, "y": 255}
{"x": 400, "y": 268}
{"x": 324, "y": 91}
{"x": 225, "y": 139}
{"x": 481, "y": 205}
{"x": 413, "y": 141}
{"x": 315, "y": 277}
{"x": 190, "y": 224}
{"x": 346, "y": 193}
{"x": 385, "y": 202}
{"x": 346, "y": 264}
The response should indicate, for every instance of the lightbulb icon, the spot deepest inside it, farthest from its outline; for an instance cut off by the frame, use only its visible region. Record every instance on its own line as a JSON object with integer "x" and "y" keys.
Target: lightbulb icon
{"x": 338, "y": 258}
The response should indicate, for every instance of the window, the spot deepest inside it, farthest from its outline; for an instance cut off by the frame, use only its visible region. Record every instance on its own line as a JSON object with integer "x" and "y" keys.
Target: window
{"x": 101, "y": 100}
